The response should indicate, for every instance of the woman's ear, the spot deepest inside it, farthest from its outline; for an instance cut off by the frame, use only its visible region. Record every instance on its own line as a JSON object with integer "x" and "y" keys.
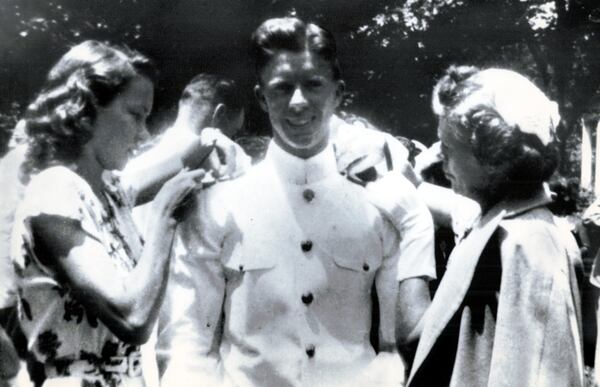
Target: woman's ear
{"x": 260, "y": 96}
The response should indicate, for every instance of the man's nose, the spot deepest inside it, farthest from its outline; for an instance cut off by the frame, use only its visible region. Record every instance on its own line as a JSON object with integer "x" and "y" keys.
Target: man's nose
{"x": 298, "y": 100}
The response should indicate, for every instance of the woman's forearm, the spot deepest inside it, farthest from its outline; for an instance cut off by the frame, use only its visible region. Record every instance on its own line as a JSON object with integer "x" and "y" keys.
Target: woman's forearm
{"x": 145, "y": 286}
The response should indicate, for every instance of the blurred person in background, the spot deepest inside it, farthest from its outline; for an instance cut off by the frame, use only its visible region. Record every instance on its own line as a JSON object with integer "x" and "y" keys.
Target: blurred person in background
{"x": 590, "y": 238}
{"x": 12, "y": 181}
{"x": 211, "y": 109}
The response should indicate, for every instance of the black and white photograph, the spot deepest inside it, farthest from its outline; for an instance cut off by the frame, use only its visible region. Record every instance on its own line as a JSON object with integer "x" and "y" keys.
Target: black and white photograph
{"x": 285, "y": 193}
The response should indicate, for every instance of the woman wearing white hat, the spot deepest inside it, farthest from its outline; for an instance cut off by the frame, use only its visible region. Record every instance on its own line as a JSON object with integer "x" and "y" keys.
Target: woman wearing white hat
{"x": 506, "y": 312}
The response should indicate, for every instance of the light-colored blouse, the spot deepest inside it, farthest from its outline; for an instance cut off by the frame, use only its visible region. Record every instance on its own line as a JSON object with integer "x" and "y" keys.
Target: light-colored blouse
{"x": 68, "y": 338}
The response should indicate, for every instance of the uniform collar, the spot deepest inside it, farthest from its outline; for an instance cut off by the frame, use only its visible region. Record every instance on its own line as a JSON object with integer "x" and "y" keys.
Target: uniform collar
{"x": 300, "y": 171}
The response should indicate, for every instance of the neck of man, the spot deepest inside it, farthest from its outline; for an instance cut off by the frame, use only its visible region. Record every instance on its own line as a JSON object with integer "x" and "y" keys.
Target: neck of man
{"x": 193, "y": 118}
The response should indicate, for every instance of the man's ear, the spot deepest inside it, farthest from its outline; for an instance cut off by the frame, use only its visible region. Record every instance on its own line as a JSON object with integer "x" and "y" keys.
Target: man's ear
{"x": 260, "y": 96}
{"x": 339, "y": 92}
{"x": 219, "y": 116}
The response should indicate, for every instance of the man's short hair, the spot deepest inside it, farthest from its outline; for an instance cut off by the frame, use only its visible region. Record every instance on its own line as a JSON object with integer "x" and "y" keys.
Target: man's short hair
{"x": 292, "y": 34}
{"x": 215, "y": 90}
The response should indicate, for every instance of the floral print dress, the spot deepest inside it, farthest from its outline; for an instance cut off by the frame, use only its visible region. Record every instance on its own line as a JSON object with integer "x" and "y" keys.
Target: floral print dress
{"x": 67, "y": 338}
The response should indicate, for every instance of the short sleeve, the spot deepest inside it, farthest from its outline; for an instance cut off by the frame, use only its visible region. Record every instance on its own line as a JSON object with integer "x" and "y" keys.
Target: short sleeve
{"x": 54, "y": 192}
{"x": 399, "y": 202}
{"x": 58, "y": 191}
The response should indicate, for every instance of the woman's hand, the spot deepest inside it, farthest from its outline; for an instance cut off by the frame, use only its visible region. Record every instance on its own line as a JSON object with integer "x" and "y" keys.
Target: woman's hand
{"x": 176, "y": 191}
{"x": 210, "y": 150}
{"x": 227, "y": 158}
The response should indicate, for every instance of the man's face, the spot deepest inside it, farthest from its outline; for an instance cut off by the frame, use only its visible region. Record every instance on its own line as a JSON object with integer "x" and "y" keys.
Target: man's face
{"x": 298, "y": 91}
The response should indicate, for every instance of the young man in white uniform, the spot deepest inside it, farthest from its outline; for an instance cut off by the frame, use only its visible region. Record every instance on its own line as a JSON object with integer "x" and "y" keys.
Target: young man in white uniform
{"x": 272, "y": 279}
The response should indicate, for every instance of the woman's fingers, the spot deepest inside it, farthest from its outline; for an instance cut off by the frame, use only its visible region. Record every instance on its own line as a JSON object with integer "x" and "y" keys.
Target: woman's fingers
{"x": 197, "y": 175}
{"x": 223, "y": 160}
{"x": 356, "y": 153}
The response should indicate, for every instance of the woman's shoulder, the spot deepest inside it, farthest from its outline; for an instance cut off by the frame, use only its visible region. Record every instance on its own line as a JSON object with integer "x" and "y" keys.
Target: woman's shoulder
{"x": 55, "y": 190}
{"x": 534, "y": 222}
{"x": 57, "y": 177}
{"x": 535, "y": 237}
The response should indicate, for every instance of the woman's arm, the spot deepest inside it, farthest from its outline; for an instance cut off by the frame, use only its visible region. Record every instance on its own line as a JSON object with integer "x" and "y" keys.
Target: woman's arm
{"x": 412, "y": 302}
{"x": 191, "y": 320}
{"x": 212, "y": 150}
{"x": 129, "y": 304}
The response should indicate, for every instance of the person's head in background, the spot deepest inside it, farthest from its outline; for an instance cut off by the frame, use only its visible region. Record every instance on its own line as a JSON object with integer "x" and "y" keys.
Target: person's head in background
{"x": 209, "y": 100}
{"x": 299, "y": 82}
{"x": 73, "y": 116}
{"x": 497, "y": 131}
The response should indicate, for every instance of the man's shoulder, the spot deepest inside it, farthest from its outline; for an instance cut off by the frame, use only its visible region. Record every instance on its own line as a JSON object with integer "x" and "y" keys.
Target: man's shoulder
{"x": 239, "y": 186}
{"x": 396, "y": 188}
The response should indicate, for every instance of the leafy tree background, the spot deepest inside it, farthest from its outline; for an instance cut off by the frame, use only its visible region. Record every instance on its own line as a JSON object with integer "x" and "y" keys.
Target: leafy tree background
{"x": 391, "y": 52}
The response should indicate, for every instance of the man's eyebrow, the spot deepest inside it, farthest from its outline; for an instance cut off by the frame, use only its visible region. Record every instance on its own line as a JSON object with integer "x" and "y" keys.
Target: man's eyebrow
{"x": 276, "y": 81}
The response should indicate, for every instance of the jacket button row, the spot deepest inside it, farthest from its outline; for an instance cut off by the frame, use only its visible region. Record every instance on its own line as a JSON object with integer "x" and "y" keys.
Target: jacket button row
{"x": 307, "y": 298}
{"x": 310, "y": 350}
{"x": 306, "y": 246}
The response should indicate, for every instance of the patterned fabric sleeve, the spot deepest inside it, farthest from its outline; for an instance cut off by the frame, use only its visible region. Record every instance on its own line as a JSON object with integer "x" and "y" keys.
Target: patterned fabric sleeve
{"x": 56, "y": 191}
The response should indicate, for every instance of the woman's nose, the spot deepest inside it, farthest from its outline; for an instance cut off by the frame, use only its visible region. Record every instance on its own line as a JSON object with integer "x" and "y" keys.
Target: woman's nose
{"x": 142, "y": 135}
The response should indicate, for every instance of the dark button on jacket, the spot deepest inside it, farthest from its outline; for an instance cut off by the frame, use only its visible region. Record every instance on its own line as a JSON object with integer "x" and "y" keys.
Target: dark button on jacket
{"x": 308, "y": 195}
{"x": 307, "y": 298}
{"x": 310, "y": 350}
{"x": 306, "y": 246}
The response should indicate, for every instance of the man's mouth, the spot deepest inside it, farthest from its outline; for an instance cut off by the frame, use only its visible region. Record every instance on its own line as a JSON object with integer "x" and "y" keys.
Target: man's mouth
{"x": 299, "y": 122}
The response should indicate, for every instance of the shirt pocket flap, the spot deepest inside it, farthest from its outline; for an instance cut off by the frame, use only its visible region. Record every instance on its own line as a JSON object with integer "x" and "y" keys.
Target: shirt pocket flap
{"x": 365, "y": 264}
{"x": 244, "y": 258}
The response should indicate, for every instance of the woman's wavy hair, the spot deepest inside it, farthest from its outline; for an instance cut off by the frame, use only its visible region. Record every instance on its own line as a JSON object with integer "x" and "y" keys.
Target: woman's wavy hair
{"x": 292, "y": 34}
{"x": 515, "y": 160}
{"x": 90, "y": 75}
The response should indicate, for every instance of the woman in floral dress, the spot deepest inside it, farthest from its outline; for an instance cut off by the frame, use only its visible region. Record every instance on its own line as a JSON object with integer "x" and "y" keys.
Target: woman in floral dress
{"x": 89, "y": 287}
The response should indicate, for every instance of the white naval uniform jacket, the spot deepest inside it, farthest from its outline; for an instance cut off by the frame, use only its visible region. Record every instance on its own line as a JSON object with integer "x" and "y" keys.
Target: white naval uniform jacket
{"x": 272, "y": 276}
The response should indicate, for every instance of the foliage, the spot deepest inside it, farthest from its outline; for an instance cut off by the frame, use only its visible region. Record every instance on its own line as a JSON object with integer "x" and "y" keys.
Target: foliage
{"x": 391, "y": 52}
{"x": 556, "y": 43}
